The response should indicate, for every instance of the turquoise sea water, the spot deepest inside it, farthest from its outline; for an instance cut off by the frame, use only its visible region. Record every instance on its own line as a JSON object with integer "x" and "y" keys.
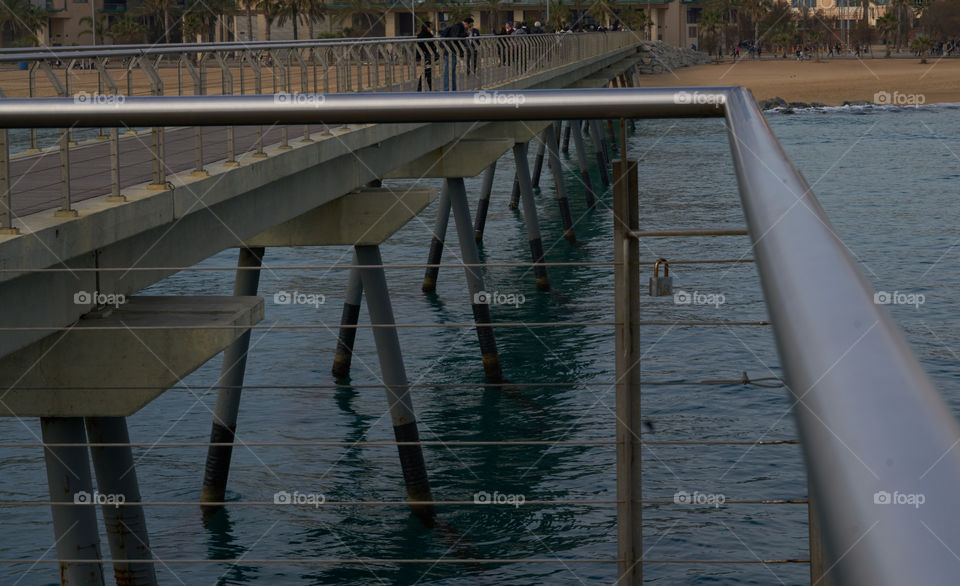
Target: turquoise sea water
{"x": 886, "y": 177}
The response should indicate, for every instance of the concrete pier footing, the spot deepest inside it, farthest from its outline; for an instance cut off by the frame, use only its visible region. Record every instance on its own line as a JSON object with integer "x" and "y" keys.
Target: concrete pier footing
{"x": 126, "y": 525}
{"x": 436, "y": 242}
{"x": 530, "y": 216}
{"x": 343, "y": 356}
{"x": 224, "y": 426}
{"x": 557, "y": 170}
{"x": 395, "y": 381}
{"x": 483, "y": 205}
{"x": 584, "y": 164}
{"x": 69, "y": 481}
{"x": 468, "y": 251}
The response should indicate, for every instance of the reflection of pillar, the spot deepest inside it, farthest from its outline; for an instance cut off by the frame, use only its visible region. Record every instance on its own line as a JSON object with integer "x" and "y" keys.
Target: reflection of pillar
{"x": 68, "y": 477}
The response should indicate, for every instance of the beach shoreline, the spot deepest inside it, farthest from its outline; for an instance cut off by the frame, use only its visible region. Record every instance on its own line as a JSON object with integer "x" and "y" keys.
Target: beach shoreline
{"x": 833, "y": 82}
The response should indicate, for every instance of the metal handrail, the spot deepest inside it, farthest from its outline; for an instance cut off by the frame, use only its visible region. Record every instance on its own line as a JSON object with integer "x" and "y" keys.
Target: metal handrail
{"x": 13, "y": 54}
{"x": 871, "y": 422}
{"x": 47, "y": 53}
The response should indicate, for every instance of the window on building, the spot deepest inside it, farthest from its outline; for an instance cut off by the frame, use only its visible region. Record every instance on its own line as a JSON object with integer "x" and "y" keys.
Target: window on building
{"x": 692, "y": 32}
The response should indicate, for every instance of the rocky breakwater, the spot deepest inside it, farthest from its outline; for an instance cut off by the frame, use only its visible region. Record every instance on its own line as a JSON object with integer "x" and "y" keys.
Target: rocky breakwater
{"x": 659, "y": 57}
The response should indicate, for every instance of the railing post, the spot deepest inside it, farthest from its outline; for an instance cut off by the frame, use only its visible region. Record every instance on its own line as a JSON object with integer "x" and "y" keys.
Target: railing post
{"x": 6, "y": 213}
{"x": 818, "y": 563}
{"x": 115, "y": 195}
{"x": 628, "y": 414}
{"x": 65, "y": 208}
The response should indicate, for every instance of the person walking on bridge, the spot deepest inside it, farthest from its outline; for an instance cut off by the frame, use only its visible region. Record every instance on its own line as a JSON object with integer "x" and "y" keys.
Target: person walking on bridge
{"x": 429, "y": 54}
{"x": 454, "y": 49}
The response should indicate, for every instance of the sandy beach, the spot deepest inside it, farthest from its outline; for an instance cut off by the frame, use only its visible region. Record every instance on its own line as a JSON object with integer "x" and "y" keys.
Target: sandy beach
{"x": 831, "y": 81}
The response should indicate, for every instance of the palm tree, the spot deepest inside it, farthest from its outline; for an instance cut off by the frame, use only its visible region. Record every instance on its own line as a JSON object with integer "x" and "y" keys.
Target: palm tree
{"x": 886, "y": 25}
{"x": 602, "y": 11}
{"x": 816, "y": 36}
{"x": 365, "y": 10}
{"x": 756, "y": 10}
{"x": 493, "y": 9}
{"x": 270, "y": 9}
{"x": 922, "y": 44}
{"x": 559, "y": 14}
{"x": 159, "y": 9}
{"x": 126, "y": 29}
{"x": 248, "y": 8}
{"x": 100, "y": 27}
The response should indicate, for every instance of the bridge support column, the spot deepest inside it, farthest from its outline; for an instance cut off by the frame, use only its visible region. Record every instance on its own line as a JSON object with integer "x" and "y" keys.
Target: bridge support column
{"x": 351, "y": 313}
{"x": 597, "y": 137}
{"x": 584, "y": 163}
{"x": 611, "y": 137}
{"x": 395, "y": 381}
{"x": 530, "y": 216}
{"x": 566, "y": 136}
{"x": 436, "y": 242}
{"x": 515, "y": 194}
{"x": 484, "y": 204}
{"x": 69, "y": 481}
{"x": 126, "y": 525}
{"x": 224, "y": 425}
{"x": 468, "y": 252}
{"x": 538, "y": 161}
{"x": 557, "y": 170}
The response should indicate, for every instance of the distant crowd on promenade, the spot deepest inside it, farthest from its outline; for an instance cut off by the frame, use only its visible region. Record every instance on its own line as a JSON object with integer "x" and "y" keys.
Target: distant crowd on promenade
{"x": 465, "y": 29}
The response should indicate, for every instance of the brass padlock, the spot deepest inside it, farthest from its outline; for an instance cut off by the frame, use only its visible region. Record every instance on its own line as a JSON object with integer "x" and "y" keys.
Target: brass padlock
{"x": 661, "y": 286}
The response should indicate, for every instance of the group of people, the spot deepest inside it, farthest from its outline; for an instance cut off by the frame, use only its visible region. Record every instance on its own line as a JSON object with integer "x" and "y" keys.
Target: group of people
{"x": 467, "y": 50}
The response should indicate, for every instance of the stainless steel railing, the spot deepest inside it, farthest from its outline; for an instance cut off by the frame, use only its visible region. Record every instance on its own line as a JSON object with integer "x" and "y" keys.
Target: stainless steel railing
{"x": 869, "y": 418}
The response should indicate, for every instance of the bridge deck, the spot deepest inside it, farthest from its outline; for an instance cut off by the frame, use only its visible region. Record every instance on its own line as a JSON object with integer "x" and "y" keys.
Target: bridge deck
{"x": 35, "y": 179}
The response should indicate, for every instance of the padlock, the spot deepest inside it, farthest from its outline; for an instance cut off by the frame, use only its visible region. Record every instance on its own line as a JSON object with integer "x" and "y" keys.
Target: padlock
{"x": 661, "y": 286}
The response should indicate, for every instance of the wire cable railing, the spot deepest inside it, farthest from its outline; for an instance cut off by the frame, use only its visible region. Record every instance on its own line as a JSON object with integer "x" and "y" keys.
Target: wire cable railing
{"x": 861, "y": 400}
